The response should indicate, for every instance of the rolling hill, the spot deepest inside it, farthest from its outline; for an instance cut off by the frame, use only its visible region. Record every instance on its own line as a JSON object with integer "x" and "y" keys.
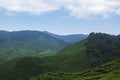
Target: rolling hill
{"x": 27, "y": 43}
{"x": 96, "y": 50}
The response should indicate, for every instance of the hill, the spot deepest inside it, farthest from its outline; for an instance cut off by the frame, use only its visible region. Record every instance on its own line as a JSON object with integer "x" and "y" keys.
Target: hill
{"x": 27, "y": 43}
{"x": 73, "y": 56}
{"x": 108, "y": 71}
{"x": 68, "y": 38}
{"x": 97, "y": 49}
{"x": 24, "y": 68}
{"x": 102, "y": 48}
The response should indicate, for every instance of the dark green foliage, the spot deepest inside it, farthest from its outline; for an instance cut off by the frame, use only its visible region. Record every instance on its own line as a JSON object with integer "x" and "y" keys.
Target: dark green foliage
{"x": 109, "y": 71}
{"x": 23, "y": 69}
{"x": 102, "y": 48}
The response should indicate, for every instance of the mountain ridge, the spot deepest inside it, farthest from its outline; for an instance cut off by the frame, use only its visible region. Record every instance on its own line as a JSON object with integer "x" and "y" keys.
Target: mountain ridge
{"x": 72, "y": 38}
{"x": 27, "y": 43}
{"x": 97, "y": 49}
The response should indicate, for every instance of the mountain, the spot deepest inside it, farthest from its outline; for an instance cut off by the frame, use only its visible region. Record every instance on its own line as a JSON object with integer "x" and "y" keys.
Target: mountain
{"x": 102, "y": 48}
{"x": 97, "y": 49}
{"x": 68, "y": 38}
{"x": 108, "y": 71}
{"x": 27, "y": 43}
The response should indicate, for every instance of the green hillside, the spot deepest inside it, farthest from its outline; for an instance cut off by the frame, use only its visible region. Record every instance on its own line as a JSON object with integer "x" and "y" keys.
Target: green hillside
{"x": 27, "y": 43}
{"x": 97, "y": 49}
{"x": 23, "y": 69}
{"x": 102, "y": 48}
{"x": 109, "y": 71}
{"x": 73, "y": 57}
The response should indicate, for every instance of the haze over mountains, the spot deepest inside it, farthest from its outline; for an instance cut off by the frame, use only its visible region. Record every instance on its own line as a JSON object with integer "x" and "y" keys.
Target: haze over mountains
{"x": 69, "y": 38}
{"x": 86, "y": 56}
{"x": 32, "y": 43}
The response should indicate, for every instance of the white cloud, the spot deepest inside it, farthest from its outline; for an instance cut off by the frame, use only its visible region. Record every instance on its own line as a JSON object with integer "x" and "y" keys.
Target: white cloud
{"x": 87, "y": 8}
{"x": 30, "y": 6}
{"x": 78, "y": 8}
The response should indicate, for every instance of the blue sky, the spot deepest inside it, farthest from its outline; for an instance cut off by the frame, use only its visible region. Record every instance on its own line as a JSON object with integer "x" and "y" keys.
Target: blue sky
{"x": 61, "y": 19}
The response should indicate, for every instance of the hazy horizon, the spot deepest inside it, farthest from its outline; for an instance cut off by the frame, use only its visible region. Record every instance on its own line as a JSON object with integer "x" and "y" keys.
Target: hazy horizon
{"x": 61, "y": 17}
{"x": 58, "y": 33}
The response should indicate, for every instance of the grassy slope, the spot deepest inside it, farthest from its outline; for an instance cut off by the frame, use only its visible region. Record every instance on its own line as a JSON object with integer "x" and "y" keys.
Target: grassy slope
{"x": 32, "y": 66}
{"x": 73, "y": 57}
{"x": 70, "y": 59}
{"x": 47, "y": 53}
{"x": 109, "y": 71}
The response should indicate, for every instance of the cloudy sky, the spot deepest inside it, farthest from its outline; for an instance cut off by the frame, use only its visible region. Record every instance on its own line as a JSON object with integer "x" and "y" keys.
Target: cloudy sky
{"x": 61, "y": 16}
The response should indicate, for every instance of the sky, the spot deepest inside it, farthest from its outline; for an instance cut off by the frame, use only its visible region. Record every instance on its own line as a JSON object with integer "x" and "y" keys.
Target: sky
{"x": 61, "y": 16}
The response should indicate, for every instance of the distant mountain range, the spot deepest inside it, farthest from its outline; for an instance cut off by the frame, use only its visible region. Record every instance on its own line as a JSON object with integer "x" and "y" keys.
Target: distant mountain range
{"x": 68, "y": 38}
{"x": 31, "y": 43}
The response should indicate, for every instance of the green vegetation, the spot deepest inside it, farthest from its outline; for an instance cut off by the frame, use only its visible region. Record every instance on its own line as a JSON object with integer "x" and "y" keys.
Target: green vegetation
{"x": 27, "y": 43}
{"x": 31, "y": 66}
{"x": 47, "y": 53}
{"x": 23, "y": 69}
{"x": 109, "y": 71}
{"x": 73, "y": 57}
{"x": 102, "y": 48}
{"x": 68, "y": 63}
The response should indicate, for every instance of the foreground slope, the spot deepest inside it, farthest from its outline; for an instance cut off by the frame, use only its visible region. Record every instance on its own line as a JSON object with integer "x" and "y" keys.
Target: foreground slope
{"x": 108, "y": 71}
{"x": 24, "y": 68}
